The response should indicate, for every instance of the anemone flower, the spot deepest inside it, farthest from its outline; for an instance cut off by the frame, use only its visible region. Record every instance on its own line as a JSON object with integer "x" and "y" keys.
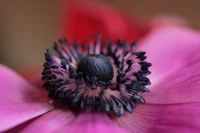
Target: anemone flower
{"x": 172, "y": 105}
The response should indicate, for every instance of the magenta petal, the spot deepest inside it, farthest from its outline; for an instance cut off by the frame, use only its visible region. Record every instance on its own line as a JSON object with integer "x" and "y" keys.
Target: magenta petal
{"x": 177, "y": 118}
{"x": 64, "y": 121}
{"x": 179, "y": 87}
{"x": 174, "y": 53}
{"x": 50, "y": 122}
{"x": 93, "y": 123}
{"x": 174, "y": 102}
{"x": 170, "y": 49}
{"x": 19, "y": 100}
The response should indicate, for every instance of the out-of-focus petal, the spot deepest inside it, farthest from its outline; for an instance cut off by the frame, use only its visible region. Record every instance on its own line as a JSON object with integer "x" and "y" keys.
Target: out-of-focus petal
{"x": 177, "y": 118}
{"x": 19, "y": 100}
{"x": 50, "y": 122}
{"x": 18, "y": 129}
{"x": 92, "y": 123}
{"x": 170, "y": 50}
{"x": 166, "y": 20}
{"x": 82, "y": 19}
{"x": 175, "y": 58}
{"x": 33, "y": 76}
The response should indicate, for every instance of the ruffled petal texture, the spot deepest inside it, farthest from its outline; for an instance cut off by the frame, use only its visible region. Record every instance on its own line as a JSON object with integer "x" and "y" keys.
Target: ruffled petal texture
{"x": 174, "y": 102}
{"x": 19, "y": 100}
{"x": 82, "y": 19}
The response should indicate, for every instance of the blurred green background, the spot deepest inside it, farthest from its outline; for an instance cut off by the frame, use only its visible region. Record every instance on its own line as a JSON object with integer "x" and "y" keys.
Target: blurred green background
{"x": 28, "y": 27}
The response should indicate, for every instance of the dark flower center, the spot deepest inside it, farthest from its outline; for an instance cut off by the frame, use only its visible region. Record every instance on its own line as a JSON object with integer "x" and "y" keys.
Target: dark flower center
{"x": 96, "y": 66}
{"x": 102, "y": 77}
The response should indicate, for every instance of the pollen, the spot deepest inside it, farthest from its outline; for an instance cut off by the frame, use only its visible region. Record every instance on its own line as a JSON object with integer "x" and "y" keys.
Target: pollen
{"x": 97, "y": 75}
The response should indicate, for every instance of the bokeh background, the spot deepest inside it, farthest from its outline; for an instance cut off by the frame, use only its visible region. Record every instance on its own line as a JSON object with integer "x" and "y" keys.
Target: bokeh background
{"x": 28, "y": 27}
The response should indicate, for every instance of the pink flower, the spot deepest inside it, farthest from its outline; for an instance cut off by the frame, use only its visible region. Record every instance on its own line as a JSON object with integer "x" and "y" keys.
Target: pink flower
{"x": 172, "y": 106}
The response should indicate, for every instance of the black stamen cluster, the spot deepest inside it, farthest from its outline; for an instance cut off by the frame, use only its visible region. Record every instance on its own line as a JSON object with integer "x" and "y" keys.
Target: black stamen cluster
{"x": 72, "y": 77}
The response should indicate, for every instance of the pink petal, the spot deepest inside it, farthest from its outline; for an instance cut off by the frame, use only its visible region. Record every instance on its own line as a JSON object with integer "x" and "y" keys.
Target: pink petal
{"x": 180, "y": 87}
{"x": 174, "y": 102}
{"x": 19, "y": 100}
{"x": 63, "y": 121}
{"x": 174, "y": 53}
{"x": 50, "y": 122}
{"x": 93, "y": 123}
{"x": 170, "y": 49}
{"x": 178, "y": 118}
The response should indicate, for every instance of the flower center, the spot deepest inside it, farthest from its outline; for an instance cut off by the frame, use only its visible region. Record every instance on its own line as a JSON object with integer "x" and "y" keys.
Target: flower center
{"x": 104, "y": 77}
{"x": 96, "y": 66}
